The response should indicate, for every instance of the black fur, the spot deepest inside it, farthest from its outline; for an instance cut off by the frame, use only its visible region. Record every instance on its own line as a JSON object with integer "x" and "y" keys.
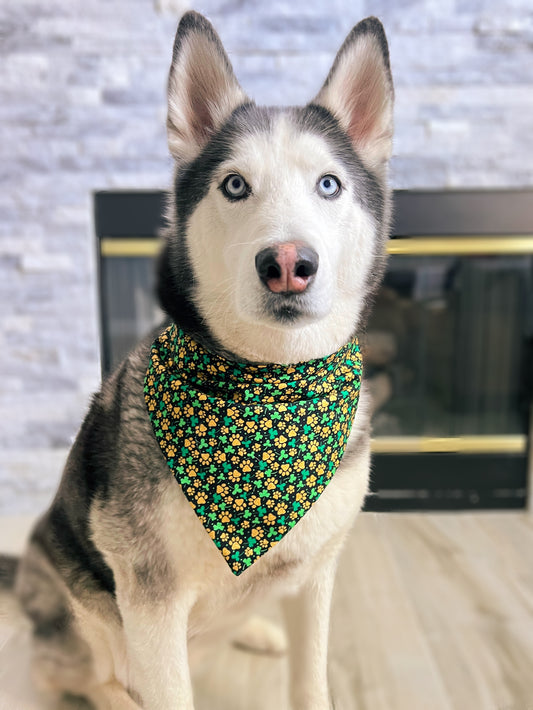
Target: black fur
{"x": 8, "y": 570}
{"x": 175, "y": 277}
{"x": 64, "y": 533}
{"x": 194, "y": 22}
{"x": 368, "y": 26}
{"x": 368, "y": 191}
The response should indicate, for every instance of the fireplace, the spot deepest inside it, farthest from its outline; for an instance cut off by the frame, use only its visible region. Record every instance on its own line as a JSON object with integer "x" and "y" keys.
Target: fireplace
{"x": 449, "y": 348}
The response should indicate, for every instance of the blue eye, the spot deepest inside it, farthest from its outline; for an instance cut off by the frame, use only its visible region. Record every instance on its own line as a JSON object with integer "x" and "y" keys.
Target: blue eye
{"x": 329, "y": 186}
{"x": 235, "y": 187}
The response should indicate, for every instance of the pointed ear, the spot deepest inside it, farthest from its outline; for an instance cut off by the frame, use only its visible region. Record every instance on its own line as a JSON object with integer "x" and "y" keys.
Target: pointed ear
{"x": 202, "y": 88}
{"x": 359, "y": 92}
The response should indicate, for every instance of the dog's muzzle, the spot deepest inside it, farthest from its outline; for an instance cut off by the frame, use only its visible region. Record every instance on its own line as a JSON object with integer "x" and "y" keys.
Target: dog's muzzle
{"x": 287, "y": 268}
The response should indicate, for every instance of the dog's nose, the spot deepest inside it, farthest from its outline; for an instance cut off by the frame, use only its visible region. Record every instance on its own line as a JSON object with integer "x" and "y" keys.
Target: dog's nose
{"x": 287, "y": 268}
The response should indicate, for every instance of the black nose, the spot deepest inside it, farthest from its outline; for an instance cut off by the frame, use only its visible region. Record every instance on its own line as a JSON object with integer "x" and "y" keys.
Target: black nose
{"x": 287, "y": 268}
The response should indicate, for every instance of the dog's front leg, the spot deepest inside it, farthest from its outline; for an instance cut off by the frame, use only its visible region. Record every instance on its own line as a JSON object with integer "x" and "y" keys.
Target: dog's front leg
{"x": 156, "y": 641}
{"x": 307, "y": 618}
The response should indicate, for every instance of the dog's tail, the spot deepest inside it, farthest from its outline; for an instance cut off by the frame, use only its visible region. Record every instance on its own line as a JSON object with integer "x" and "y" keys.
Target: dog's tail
{"x": 8, "y": 571}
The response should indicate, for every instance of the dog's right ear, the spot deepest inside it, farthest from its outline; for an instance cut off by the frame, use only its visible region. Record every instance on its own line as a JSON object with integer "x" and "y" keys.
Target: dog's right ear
{"x": 202, "y": 88}
{"x": 359, "y": 92}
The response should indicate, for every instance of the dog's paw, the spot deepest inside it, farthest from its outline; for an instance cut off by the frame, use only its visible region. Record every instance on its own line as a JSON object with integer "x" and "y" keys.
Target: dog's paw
{"x": 261, "y": 636}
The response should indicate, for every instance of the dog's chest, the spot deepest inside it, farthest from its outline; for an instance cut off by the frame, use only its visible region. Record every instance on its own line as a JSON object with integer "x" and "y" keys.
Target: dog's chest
{"x": 199, "y": 565}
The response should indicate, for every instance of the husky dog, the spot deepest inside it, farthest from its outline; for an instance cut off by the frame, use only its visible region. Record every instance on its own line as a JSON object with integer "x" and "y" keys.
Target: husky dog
{"x": 275, "y": 246}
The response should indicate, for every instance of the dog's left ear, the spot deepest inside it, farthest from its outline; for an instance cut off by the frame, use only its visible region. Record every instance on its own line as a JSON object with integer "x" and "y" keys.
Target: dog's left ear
{"x": 359, "y": 92}
{"x": 202, "y": 88}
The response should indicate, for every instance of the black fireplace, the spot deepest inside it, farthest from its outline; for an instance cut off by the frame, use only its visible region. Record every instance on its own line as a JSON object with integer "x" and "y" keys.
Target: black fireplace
{"x": 448, "y": 353}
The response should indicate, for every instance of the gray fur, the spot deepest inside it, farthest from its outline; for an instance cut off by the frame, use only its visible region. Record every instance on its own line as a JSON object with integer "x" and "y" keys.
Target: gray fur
{"x": 8, "y": 570}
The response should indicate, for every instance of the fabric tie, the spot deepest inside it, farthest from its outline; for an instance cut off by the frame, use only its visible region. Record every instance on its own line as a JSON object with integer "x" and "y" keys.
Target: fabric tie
{"x": 253, "y": 446}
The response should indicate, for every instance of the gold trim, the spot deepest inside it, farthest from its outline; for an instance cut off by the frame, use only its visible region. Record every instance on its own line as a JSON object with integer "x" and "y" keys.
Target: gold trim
{"x": 110, "y": 246}
{"x": 497, "y": 444}
{"x": 461, "y": 246}
{"x": 415, "y": 246}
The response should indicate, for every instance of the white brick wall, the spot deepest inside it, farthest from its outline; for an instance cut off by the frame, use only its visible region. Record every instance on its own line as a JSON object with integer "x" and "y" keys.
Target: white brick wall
{"x": 82, "y": 108}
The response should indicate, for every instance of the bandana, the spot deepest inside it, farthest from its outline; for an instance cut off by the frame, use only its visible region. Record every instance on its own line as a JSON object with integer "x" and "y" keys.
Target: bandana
{"x": 252, "y": 446}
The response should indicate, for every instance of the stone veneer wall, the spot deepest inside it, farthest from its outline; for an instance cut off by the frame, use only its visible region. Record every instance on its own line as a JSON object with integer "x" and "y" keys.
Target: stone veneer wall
{"x": 82, "y": 107}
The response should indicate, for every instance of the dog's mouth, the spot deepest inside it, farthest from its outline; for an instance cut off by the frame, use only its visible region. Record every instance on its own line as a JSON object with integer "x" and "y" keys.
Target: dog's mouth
{"x": 286, "y": 314}
{"x": 287, "y": 272}
{"x": 289, "y": 310}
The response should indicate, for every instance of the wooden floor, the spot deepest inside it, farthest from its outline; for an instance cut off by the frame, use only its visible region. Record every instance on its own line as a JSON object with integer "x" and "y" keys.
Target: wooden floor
{"x": 431, "y": 612}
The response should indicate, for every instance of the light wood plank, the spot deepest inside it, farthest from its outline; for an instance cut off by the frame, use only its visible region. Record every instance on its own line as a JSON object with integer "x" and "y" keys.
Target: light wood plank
{"x": 375, "y": 629}
{"x": 430, "y": 612}
{"x": 480, "y": 631}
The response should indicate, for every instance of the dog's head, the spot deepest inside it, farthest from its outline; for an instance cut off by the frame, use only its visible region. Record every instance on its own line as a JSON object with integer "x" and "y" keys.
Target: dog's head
{"x": 279, "y": 217}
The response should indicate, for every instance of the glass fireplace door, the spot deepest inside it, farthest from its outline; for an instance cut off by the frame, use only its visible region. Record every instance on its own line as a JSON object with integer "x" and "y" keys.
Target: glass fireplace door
{"x": 449, "y": 359}
{"x": 448, "y": 352}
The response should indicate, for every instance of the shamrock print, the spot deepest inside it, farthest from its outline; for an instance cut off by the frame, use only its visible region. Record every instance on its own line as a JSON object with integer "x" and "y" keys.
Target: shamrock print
{"x": 252, "y": 446}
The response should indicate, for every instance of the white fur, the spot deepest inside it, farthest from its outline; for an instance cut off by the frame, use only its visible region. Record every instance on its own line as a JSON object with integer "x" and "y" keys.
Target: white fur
{"x": 210, "y": 603}
{"x": 197, "y": 81}
{"x": 282, "y": 168}
{"x": 359, "y": 93}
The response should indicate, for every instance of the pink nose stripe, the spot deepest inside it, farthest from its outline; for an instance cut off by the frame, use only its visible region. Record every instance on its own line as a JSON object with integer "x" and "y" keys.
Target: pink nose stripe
{"x": 287, "y": 280}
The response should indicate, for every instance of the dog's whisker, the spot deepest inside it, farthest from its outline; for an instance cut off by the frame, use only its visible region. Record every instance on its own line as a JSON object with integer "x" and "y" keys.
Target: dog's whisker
{"x": 242, "y": 244}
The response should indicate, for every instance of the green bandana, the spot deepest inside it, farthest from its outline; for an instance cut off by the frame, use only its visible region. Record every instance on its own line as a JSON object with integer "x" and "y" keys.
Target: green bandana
{"x": 252, "y": 446}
